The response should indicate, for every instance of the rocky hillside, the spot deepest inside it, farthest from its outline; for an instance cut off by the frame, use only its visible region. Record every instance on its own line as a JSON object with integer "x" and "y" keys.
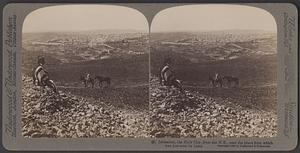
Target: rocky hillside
{"x": 45, "y": 114}
{"x": 172, "y": 114}
{"x": 190, "y": 114}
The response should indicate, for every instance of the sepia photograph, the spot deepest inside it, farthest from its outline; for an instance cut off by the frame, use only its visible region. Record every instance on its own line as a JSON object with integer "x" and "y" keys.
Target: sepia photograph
{"x": 213, "y": 72}
{"x": 85, "y": 72}
{"x": 150, "y": 76}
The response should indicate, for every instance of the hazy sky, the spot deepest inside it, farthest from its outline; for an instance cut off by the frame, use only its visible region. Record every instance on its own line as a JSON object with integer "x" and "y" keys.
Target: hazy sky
{"x": 212, "y": 17}
{"x": 84, "y": 17}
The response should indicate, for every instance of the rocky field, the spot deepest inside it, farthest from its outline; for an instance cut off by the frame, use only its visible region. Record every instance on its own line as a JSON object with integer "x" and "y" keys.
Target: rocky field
{"x": 172, "y": 114}
{"x": 45, "y": 114}
{"x": 191, "y": 114}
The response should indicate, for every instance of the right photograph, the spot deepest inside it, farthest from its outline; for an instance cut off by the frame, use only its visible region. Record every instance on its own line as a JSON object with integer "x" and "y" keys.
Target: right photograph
{"x": 213, "y": 72}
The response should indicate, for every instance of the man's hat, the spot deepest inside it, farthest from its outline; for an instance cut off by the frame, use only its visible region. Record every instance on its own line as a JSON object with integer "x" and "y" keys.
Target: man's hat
{"x": 41, "y": 60}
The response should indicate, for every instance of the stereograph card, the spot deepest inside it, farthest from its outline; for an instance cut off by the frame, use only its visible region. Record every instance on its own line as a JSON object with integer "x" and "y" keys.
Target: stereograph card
{"x": 149, "y": 76}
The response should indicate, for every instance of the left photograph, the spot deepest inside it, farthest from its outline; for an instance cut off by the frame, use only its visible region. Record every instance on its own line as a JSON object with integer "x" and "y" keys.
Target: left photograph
{"x": 85, "y": 72}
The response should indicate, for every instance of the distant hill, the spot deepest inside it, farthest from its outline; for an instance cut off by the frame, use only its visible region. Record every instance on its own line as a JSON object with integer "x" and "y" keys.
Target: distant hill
{"x": 216, "y": 45}
{"x": 233, "y": 31}
{"x": 122, "y": 71}
{"x": 70, "y": 47}
{"x": 250, "y": 69}
{"x": 102, "y": 31}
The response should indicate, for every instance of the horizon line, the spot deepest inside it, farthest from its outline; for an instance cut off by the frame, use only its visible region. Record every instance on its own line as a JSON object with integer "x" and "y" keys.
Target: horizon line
{"x": 147, "y": 31}
{"x": 75, "y": 31}
{"x": 170, "y": 31}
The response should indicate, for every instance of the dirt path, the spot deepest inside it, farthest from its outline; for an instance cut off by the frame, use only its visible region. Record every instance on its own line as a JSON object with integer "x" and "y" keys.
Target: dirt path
{"x": 131, "y": 97}
{"x": 262, "y": 97}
